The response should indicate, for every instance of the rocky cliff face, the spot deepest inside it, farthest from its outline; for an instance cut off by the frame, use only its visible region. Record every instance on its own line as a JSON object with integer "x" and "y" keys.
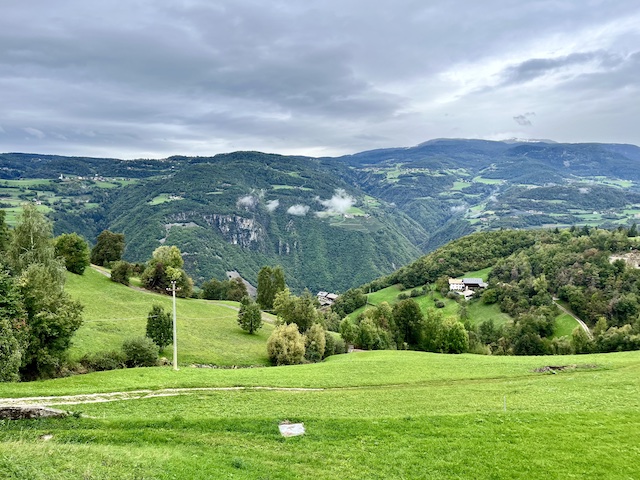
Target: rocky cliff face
{"x": 235, "y": 229}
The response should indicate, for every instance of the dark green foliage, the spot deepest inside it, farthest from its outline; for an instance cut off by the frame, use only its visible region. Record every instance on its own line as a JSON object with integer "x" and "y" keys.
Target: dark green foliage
{"x": 140, "y": 352}
{"x": 237, "y": 290}
{"x": 102, "y": 361}
{"x": 5, "y": 233}
{"x": 234, "y": 289}
{"x": 454, "y": 337}
{"x": 348, "y": 331}
{"x": 408, "y": 320}
{"x": 51, "y": 316}
{"x": 300, "y": 310}
{"x": 164, "y": 267}
{"x": 121, "y": 272}
{"x": 349, "y": 301}
{"x": 74, "y": 250}
{"x": 249, "y": 316}
{"x": 315, "y": 343}
{"x": 270, "y": 283}
{"x": 159, "y": 326}
{"x": 13, "y": 327}
{"x": 108, "y": 248}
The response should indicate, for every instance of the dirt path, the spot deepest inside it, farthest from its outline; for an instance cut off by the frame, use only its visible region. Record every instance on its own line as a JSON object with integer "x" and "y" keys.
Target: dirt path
{"x": 134, "y": 395}
{"x": 579, "y": 320}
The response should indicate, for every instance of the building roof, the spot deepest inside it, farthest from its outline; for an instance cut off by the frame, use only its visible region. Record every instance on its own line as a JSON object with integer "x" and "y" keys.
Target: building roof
{"x": 473, "y": 280}
{"x": 455, "y": 281}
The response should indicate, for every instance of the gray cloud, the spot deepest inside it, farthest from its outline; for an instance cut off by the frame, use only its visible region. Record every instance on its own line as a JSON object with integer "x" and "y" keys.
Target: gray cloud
{"x": 154, "y": 78}
{"x": 524, "y": 120}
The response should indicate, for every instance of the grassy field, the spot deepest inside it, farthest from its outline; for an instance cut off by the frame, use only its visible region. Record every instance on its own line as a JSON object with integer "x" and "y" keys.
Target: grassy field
{"x": 374, "y": 415}
{"x": 207, "y": 331}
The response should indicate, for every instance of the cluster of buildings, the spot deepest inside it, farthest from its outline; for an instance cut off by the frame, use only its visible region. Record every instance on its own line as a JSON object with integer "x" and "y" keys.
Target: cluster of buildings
{"x": 466, "y": 287}
{"x": 326, "y": 299}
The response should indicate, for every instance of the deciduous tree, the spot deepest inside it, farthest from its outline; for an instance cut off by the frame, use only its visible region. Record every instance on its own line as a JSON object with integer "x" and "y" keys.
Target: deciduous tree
{"x": 249, "y": 316}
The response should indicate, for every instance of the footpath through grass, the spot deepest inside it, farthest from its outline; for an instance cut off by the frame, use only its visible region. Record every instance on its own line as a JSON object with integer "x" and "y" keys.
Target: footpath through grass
{"x": 208, "y": 332}
{"x": 381, "y": 415}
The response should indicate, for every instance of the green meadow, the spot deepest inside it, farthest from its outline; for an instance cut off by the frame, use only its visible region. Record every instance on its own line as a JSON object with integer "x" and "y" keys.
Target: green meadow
{"x": 367, "y": 415}
{"x": 207, "y": 331}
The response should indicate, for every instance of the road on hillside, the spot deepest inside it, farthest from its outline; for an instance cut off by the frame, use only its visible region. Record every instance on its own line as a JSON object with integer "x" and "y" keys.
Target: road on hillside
{"x": 579, "y": 320}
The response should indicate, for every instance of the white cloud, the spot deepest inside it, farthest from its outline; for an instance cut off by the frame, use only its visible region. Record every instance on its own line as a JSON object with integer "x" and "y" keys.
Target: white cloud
{"x": 458, "y": 209}
{"x": 272, "y": 205}
{"x": 248, "y": 202}
{"x": 339, "y": 203}
{"x": 298, "y": 210}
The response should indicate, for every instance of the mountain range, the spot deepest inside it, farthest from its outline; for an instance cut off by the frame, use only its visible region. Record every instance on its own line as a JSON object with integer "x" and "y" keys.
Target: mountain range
{"x": 332, "y": 223}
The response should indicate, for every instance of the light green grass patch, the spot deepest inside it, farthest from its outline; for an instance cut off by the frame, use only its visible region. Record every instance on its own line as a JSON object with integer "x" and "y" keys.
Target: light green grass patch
{"x": 207, "y": 331}
{"x": 381, "y": 415}
{"x": 488, "y": 181}
{"x": 564, "y": 325}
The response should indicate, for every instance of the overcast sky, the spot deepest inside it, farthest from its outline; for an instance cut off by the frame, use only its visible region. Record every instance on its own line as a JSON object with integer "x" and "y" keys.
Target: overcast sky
{"x": 152, "y": 78}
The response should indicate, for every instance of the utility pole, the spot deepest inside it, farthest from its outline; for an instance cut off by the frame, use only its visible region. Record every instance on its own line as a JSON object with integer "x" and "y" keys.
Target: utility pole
{"x": 175, "y": 330}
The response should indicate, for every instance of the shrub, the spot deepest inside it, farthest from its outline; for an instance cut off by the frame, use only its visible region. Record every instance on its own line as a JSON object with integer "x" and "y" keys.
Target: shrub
{"x": 402, "y": 296}
{"x": 140, "y": 352}
{"x": 120, "y": 272}
{"x": 286, "y": 345}
{"x": 330, "y": 345}
{"x": 101, "y": 361}
{"x": 341, "y": 347}
{"x": 439, "y": 304}
{"x": 348, "y": 330}
{"x": 416, "y": 292}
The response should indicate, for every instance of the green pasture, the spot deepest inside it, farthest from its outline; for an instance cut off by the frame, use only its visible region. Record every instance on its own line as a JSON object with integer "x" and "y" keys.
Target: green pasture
{"x": 207, "y": 331}
{"x": 457, "y": 186}
{"x": 375, "y": 415}
{"x": 565, "y": 324}
{"x": 159, "y": 199}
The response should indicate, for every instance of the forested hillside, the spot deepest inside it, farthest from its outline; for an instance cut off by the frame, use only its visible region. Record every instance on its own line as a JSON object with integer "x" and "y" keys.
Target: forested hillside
{"x": 332, "y": 223}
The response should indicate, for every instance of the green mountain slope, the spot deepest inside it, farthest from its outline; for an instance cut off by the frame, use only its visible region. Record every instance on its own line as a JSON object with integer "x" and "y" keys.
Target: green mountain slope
{"x": 333, "y": 223}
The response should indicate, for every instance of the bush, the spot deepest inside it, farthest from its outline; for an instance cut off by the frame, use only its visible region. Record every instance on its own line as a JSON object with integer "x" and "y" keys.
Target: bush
{"x": 416, "y": 292}
{"x": 341, "y": 347}
{"x": 402, "y": 296}
{"x": 120, "y": 272}
{"x": 286, "y": 345}
{"x": 439, "y": 304}
{"x": 330, "y": 345}
{"x": 101, "y": 361}
{"x": 140, "y": 352}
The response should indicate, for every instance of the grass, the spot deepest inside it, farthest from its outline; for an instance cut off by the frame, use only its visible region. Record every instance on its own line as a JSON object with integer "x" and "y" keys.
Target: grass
{"x": 207, "y": 331}
{"x": 565, "y": 324}
{"x": 380, "y": 415}
{"x": 162, "y": 198}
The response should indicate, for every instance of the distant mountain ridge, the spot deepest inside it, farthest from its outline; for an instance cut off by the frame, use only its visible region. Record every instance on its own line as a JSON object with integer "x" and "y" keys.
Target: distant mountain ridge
{"x": 332, "y": 223}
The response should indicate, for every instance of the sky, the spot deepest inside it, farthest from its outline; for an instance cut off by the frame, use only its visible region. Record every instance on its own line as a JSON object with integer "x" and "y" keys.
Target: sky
{"x": 154, "y": 78}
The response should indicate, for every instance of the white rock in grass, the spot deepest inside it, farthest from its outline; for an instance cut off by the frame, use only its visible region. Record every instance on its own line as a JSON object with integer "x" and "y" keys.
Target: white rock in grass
{"x": 291, "y": 429}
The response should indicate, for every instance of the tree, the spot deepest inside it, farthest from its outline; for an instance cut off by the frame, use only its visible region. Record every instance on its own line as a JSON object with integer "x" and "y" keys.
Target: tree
{"x": 74, "y": 250}
{"x": 121, "y": 271}
{"x": 348, "y": 330}
{"x": 315, "y": 343}
{"x": 12, "y": 328}
{"x": 286, "y": 345}
{"x": 159, "y": 326}
{"x": 270, "y": 283}
{"x": 408, "y": 319}
{"x": 237, "y": 290}
{"x": 5, "y": 233}
{"x": 51, "y": 316}
{"x": 109, "y": 248}
{"x": 455, "y": 338}
{"x": 299, "y": 310}
{"x": 164, "y": 267}
{"x": 249, "y": 316}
